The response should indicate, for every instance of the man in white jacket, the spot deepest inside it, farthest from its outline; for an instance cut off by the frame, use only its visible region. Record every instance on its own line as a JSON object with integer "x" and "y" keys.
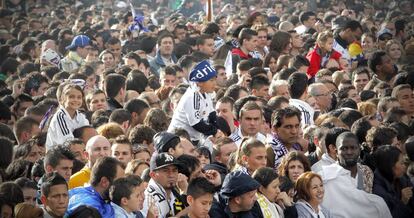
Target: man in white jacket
{"x": 343, "y": 199}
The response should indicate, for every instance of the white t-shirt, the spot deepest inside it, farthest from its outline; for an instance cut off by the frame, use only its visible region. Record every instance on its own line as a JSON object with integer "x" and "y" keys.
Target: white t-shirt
{"x": 62, "y": 125}
{"x": 306, "y": 110}
{"x": 192, "y": 108}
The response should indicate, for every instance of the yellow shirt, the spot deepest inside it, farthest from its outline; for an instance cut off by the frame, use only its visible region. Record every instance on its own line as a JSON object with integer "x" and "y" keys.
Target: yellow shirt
{"x": 80, "y": 178}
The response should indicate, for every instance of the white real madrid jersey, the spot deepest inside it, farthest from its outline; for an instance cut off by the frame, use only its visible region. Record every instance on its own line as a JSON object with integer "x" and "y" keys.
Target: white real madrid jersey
{"x": 192, "y": 108}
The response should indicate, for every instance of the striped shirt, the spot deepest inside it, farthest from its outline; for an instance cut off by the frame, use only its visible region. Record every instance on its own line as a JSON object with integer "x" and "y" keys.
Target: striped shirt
{"x": 62, "y": 125}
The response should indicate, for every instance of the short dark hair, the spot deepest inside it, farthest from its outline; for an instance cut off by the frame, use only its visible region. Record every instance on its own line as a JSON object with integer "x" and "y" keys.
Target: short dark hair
{"x": 385, "y": 158}
{"x": 249, "y": 106}
{"x": 141, "y": 133}
{"x": 258, "y": 82}
{"x": 234, "y": 91}
{"x": 12, "y": 193}
{"x": 113, "y": 84}
{"x": 120, "y": 115}
{"x": 332, "y": 134}
{"x": 164, "y": 35}
{"x": 353, "y": 25}
{"x": 226, "y": 99}
{"x": 359, "y": 71}
{"x": 304, "y": 16}
{"x": 134, "y": 56}
{"x": 136, "y": 105}
{"x": 137, "y": 81}
{"x": 375, "y": 60}
{"x": 297, "y": 84}
{"x": 275, "y": 102}
{"x": 202, "y": 39}
{"x": 188, "y": 164}
{"x": 246, "y": 33}
{"x": 24, "y": 182}
{"x": 265, "y": 176}
{"x": 104, "y": 167}
{"x": 50, "y": 180}
{"x": 78, "y": 132}
{"x": 123, "y": 188}
{"x": 6, "y": 148}
{"x": 380, "y": 135}
{"x": 360, "y": 128}
{"x": 200, "y": 186}
{"x": 56, "y": 154}
{"x": 24, "y": 124}
{"x": 349, "y": 117}
{"x": 299, "y": 61}
{"x": 281, "y": 114}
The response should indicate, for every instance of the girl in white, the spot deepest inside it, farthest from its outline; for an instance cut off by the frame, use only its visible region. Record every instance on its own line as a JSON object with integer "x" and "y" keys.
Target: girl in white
{"x": 67, "y": 117}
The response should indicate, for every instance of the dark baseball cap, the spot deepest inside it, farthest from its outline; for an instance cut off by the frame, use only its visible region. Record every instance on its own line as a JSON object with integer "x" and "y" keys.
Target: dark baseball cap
{"x": 165, "y": 140}
{"x": 238, "y": 183}
{"x": 161, "y": 160}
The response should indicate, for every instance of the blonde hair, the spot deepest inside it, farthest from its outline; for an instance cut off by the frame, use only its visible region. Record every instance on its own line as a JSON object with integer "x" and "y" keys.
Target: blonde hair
{"x": 110, "y": 130}
{"x": 367, "y": 108}
{"x": 392, "y": 42}
{"x": 133, "y": 165}
{"x": 324, "y": 36}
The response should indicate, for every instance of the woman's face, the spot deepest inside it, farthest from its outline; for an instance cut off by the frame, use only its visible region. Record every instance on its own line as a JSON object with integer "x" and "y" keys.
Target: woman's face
{"x": 399, "y": 168}
{"x": 316, "y": 190}
{"x": 295, "y": 169}
{"x": 394, "y": 51}
{"x": 367, "y": 43}
{"x": 273, "y": 65}
{"x": 271, "y": 191}
{"x": 108, "y": 60}
{"x": 34, "y": 154}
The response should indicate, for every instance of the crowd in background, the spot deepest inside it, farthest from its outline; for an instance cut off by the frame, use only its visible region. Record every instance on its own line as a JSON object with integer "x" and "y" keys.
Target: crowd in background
{"x": 224, "y": 108}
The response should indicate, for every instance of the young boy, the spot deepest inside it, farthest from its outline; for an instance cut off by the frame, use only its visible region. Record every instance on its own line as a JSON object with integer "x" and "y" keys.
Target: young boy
{"x": 322, "y": 53}
{"x": 200, "y": 198}
{"x": 127, "y": 196}
{"x": 195, "y": 111}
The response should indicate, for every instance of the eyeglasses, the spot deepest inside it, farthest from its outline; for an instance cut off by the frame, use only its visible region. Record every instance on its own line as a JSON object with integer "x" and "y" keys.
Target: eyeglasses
{"x": 326, "y": 94}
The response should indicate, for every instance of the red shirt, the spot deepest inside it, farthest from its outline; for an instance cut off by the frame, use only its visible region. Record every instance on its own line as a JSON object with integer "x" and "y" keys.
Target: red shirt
{"x": 239, "y": 52}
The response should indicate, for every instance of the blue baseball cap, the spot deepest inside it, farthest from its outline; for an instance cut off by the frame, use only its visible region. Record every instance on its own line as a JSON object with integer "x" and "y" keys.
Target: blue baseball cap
{"x": 79, "y": 41}
{"x": 202, "y": 72}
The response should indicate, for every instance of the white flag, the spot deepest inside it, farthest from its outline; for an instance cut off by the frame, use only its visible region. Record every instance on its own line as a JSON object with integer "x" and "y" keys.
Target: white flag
{"x": 228, "y": 64}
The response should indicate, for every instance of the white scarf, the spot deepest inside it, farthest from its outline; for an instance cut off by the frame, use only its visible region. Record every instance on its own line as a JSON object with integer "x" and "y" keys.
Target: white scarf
{"x": 268, "y": 208}
{"x": 159, "y": 196}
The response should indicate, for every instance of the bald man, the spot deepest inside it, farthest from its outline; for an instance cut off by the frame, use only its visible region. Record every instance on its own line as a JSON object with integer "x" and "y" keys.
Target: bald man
{"x": 96, "y": 147}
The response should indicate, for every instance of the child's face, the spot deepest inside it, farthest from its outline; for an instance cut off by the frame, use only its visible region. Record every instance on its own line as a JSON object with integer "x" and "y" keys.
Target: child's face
{"x": 203, "y": 160}
{"x": 72, "y": 100}
{"x": 327, "y": 46}
{"x": 201, "y": 205}
{"x": 136, "y": 200}
{"x": 208, "y": 86}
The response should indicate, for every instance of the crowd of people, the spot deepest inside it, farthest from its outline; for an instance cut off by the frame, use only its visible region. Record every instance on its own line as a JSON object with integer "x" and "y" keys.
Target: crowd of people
{"x": 199, "y": 108}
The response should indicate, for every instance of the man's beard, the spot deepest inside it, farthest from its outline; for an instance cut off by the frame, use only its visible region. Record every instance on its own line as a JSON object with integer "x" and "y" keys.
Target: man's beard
{"x": 349, "y": 162}
{"x": 105, "y": 195}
